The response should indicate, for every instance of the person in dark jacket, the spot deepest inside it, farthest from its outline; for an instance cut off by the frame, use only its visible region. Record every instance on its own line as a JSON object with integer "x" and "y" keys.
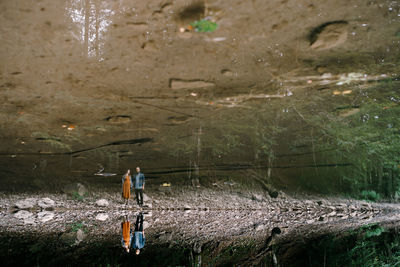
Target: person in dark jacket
{"x": 139, "y": 186}
{"x": 138, "y": 237}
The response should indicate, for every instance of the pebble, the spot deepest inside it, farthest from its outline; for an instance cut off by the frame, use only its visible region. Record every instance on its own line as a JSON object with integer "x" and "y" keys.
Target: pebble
{"x": 45, "y": 216}
{"x": 102, "y": 203}
{"x": 46, "y": 203}
{"x": 23, "y": 214}
{"x": 101, "y": 217}
{"x": 80, "y": 236}
{"x": 26, "y": 204}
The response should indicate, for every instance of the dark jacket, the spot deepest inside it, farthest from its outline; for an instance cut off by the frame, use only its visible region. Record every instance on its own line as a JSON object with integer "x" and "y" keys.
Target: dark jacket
{"x": 139, "y": 180}
{"x": 139, "y": 240}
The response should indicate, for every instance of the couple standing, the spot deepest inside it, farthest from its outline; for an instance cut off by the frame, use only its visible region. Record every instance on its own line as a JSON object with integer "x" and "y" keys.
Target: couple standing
{"x": 127, "y": 186}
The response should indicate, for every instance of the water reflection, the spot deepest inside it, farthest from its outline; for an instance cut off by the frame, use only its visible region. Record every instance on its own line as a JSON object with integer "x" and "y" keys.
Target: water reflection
{"x": 135, "y": 240}
{"x": 184, "y": 235}
{"x": 126, "y": 233}
{"x": 139, "y": 237}
{"x": 91, "y": 19}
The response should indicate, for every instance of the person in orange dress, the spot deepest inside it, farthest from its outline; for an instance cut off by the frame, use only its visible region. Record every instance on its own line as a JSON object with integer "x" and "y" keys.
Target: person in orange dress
{"x": 126, "y": 232}
{"x": 126, "y": 186}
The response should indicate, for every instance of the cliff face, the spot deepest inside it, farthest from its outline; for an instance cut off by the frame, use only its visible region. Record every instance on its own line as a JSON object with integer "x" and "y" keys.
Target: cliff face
{"x": 122, "y": 83}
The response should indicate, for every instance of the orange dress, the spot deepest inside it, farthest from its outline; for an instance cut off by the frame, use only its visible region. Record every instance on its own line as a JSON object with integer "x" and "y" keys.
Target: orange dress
{"x": 126, "y": 235}
{"x": 126, "y": 187}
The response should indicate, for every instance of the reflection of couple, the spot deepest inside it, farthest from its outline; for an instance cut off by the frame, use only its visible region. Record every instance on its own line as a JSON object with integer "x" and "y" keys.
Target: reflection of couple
{"x": 127, "y": 186}
{"x": 136, "y": 240}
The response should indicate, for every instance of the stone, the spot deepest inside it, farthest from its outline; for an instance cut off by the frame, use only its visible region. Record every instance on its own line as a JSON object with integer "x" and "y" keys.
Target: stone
{"x": 74, "y": 188}
{"x": 46, "y": 203}
{"x": 80, "y": 236}
{"x": 26, "y": 203}
{"x": 102, "y": 203}
{"x": 349, "y": 112}
{"x": 146, "y": 225}
{"x": 23, "y": 214}
{"x": 102, "y": 217}
{"x": 119, "y": 119}
{"x": 30, "y": 220}
{"x": 182, "y": 84}
{"x": 45, "y": 216}
{"x": 329, "y": 35}
{"x": 227, "y": 73}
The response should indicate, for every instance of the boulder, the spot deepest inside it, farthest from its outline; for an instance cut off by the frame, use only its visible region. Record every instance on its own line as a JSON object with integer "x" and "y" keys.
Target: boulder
{"x": 23, "y": 214}
{"x": 75, "y": 188}
{"x": 145, "y": 225}
{"x": 102, "y": 217}
{"x": 329, "y": 35}
{"x": 80, "y": 236}
{"x": 26, "y": 203}
{"x": 102, "y": 203}
{"x": 46, "y": 203}
{"x": 45, "y": 216}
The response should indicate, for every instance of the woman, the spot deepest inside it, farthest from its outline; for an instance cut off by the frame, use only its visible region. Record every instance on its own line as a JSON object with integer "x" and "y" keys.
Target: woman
{"x": 126, "y": 233}
{"x": 126, "y": 186}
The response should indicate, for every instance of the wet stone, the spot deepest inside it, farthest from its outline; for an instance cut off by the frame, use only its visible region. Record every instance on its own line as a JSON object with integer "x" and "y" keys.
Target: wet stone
{"x": 23, "y": 214}
{"x": 102, "y": 203}
{"x": 80, "y": 236}
{"x": 329, "y": 35}
{"x": 182, "y": 84}
{"x": 45, "y": 216}
{"x": 227, "y": 73}
{"x": 26, "y": 204}
{"x": 101, "y": 217}
{"x": 46, "y": 203}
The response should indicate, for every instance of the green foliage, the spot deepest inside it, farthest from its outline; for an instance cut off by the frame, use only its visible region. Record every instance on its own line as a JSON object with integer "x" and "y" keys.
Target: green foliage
{"x": 368, "y": 140}
{"x": 369, "y": 245}
{"x": 78, "y": 225}
{"x": 375, "y": 231}
{"x": 370, "y": 195}
{"x": 79, "y": 197}
{"x": 204, "y": 26}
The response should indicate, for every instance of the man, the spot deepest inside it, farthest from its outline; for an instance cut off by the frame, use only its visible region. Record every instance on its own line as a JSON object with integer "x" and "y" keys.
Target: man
{"x": 139, "y": 186}
{"x": 126, "y": 233}
{"x": 139, "y": 238}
